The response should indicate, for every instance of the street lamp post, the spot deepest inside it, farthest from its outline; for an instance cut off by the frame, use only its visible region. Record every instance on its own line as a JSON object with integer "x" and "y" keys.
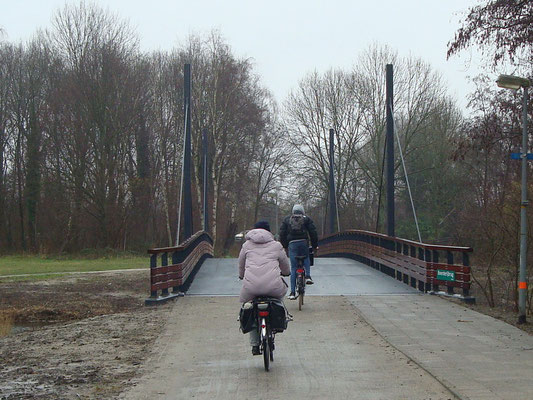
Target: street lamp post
{"x": 515, "y": 82}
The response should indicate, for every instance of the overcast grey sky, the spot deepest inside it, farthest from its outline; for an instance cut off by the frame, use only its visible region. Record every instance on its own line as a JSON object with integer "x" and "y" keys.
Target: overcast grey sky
{"x": 286, "y": 39}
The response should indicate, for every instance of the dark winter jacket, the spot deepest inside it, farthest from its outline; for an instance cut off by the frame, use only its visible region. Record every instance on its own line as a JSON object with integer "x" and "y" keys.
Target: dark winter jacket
{"x": 286, "y": 234}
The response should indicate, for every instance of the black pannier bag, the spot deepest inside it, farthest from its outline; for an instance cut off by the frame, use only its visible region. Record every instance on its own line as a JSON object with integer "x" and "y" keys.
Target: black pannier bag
{"x": 278, "y": 318}
{"x": 248, "y": 319}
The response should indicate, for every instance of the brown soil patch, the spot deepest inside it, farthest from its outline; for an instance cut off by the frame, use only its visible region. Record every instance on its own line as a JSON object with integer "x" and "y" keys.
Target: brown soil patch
{"x": 96, "y": 334}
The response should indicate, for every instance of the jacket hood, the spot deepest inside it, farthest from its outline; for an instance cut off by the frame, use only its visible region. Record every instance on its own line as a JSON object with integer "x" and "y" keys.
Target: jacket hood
{"x": 259, "y": 236}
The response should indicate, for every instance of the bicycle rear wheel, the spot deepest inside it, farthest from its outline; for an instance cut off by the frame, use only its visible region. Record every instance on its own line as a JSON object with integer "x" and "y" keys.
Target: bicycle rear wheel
{"x": 266, "y": 353}
{"x": 301, "y": 291}
{"x": 271, "y": 348}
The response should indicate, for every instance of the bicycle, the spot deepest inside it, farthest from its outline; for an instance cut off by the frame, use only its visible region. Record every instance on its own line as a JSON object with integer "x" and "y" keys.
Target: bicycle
{"x": 300, "y": 280}
{"x": 271, "y": 319}
{"x": 266, "y": 336}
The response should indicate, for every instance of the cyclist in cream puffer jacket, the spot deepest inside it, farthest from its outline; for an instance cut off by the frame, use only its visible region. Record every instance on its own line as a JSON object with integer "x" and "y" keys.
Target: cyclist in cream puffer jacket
{"x": 261, "y": 262}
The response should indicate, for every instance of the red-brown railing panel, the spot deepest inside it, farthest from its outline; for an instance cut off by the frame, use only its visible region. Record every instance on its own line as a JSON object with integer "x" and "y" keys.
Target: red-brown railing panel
{"x": 414, "y": 263}
{"x": 185, "y": 260}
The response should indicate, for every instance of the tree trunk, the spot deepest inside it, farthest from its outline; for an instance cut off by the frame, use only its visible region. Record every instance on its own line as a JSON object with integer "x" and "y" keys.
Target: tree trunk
{"x": 33, "y": 178}
{"x": 3, "y": 193}
{"x": 167, "y": 215}
{"x": 18, "y": 166}
{"x": 216, "y": 190}
{"x": 198, "y": 183}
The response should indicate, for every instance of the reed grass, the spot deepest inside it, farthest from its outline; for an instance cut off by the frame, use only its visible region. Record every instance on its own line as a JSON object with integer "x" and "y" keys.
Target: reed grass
{"x": 7, "y": 321}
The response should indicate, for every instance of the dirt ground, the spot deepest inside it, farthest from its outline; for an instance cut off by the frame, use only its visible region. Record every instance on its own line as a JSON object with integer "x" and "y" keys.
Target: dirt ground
{"x": 504, "y": 311}
{"x": 77, "y": 337}
{"x": 86, "y": 336}
{"x": 507, "y": 315}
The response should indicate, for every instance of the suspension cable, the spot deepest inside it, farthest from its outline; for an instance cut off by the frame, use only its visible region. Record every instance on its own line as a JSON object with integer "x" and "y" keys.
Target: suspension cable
{"x": 405, "y": 172}
{"x": 182, "y": 174}
{"x": 335, "y": 190}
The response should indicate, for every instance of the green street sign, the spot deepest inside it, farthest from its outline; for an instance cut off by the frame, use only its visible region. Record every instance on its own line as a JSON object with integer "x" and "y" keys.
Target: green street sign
{"x": 445, "y": 275}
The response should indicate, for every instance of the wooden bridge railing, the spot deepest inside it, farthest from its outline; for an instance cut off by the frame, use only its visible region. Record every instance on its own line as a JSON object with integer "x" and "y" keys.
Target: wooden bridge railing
{"x": 423, "y": 266}
{"x": 185, "y": 260}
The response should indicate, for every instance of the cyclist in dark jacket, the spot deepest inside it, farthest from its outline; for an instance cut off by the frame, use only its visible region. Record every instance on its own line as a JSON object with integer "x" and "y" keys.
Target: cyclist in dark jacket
{"x": 294, "y": 233}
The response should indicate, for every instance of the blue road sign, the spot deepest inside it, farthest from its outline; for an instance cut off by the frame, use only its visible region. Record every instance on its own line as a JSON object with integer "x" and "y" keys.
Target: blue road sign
{"x": 516, "y": 156}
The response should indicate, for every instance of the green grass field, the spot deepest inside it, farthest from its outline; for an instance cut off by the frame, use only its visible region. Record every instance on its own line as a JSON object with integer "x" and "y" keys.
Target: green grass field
{"x": 19, "y": 265}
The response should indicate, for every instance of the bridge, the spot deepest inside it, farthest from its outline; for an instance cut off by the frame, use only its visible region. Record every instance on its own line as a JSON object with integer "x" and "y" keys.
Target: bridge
{"x": 370, "y": 329}
{"x": 386, "y": 318}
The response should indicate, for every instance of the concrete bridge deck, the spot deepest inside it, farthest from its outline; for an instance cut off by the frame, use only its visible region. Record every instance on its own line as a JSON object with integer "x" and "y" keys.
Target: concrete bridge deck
{"x": 333, "y": 277}
{"x": 361, "y": 335}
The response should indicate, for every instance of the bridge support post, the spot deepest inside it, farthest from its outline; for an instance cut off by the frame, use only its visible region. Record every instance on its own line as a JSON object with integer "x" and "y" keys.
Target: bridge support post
{"x": 332, "y": 194}
{"x": 435, "y": 257}
{"x": 153, "y": 265}
{"x": 428, "y": 258}
{"x": 186, "y": 191}
{"x": 390, "y": 151}
{"x": 164, "y": 263}
{"x": 175, "y": 260}
{"x": 466, "y": 263}
{"x": 205, "y": 168}
{"x": 449, "y": 256}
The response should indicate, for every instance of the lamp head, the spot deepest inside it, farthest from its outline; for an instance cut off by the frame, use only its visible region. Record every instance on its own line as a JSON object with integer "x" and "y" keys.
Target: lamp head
{"x": 512, "y": 82}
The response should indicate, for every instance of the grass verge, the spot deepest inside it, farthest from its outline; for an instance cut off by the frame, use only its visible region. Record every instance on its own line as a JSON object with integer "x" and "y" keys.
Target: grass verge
{"x": 33, "y": 277}
{"x": 22, "y": 264}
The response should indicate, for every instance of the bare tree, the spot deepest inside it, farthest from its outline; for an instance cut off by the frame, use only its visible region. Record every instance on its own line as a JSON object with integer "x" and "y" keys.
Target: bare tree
{"x": 91, "y": 136}
{"x": 228, "y": 101}
{"x": 167, "y": 125}
{"x": 270, "y": 165}
{"x": 321, "y": 103}
{"x": 97, "y": 49}
{"x": 6, "y": 72}
{"x": 501, "y": 28}
{"x": 353, "y": 103}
